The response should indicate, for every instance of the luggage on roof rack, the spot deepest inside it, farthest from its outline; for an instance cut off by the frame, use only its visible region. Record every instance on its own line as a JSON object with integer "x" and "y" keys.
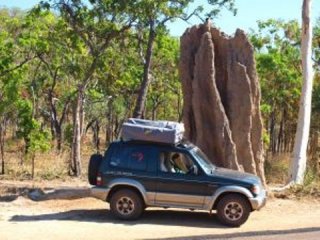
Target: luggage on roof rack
{"x": 152, "y": 131}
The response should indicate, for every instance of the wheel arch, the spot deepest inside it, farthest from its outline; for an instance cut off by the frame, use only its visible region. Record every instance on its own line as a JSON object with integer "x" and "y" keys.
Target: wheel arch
{"x": 124, "y": 183}
{"x": 220, "y": 193}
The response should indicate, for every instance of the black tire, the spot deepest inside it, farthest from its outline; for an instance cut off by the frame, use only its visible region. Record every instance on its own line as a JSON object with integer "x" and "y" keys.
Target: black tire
{"x": 233, "y": 210}
{"x": 93, "y": 168}
{"x": 126, "y": 204}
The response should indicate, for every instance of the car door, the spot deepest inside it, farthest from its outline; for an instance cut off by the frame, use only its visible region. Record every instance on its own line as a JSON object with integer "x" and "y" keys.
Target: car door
{"x": 179, "y": 188}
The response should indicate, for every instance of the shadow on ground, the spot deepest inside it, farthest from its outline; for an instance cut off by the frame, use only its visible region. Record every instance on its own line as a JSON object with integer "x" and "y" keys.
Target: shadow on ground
{"x": 8, "y": 198}
{"x": 9, "y": 194}
{"x": 273, "y": 234}
{"x": 158, "y": 217}
{"x": 165, "y": 218}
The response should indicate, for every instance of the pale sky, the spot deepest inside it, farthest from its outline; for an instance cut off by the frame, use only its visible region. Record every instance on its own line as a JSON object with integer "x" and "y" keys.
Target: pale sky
{"x": 249, "y": 11}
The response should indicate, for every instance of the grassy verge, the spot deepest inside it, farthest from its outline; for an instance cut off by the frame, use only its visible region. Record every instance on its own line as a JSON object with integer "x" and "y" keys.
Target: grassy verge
{"x": 277, "y": 169}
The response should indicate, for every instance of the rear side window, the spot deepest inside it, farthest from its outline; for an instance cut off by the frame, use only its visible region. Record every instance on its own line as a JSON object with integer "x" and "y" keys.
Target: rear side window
{"x": 131, "y": 157}
{"x": 117, "y": 159}
{"x": 137, "y": 160}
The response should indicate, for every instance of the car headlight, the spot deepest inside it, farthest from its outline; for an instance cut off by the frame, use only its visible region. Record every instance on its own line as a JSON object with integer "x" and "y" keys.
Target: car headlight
{"x": 256, "y": 189}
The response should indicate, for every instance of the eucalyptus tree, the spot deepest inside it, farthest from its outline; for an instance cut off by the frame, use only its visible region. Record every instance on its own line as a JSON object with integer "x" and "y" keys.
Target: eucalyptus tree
{"x": 94, "y": 24}
{"x": 110, "y": 94}
{"x": 13, "y": 60}
{"x": 54, "y": 51}
{"x": 19, "y": 87}
{"x": 278, "y": 55}
{"x": 154, "y": 15}
{"x": 165, "y": 97}
{"x": 277, "y": 45}
{"x": 299, "y": 157}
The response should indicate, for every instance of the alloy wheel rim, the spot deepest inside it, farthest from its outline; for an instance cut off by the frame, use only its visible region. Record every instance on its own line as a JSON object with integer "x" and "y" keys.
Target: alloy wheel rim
{"x": 233, "y": 211}
{"x": 125, "y": 206}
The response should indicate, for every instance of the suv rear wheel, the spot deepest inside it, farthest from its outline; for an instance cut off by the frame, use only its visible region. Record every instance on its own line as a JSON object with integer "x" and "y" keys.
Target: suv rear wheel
{"x": 233, "y": 210}
{"x": 126, "y": 204}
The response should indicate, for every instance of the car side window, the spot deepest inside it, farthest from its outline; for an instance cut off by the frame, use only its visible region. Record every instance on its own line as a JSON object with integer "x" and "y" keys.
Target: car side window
{"x": 137, "y": 160}
{"x": 133, "y": 158}
{"x": 117, "y": 160}
{"x": 175, "y": 162}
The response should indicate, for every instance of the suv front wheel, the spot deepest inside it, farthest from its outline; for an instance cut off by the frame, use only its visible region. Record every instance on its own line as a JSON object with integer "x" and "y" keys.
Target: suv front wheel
{"x": 126, "y": 204}
{"x": 233, "y": 210}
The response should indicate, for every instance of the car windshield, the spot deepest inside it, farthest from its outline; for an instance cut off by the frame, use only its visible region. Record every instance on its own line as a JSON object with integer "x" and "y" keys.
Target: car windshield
{"x": 203, "y": 160}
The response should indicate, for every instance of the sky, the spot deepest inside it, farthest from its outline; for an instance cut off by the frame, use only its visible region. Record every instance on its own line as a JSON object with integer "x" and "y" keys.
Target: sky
{"x": 249, "y": 12}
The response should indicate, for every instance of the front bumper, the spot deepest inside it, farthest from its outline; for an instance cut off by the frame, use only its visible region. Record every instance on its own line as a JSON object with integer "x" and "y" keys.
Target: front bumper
{"x": 259, "y": 201}
{"x": 99, "y": 193}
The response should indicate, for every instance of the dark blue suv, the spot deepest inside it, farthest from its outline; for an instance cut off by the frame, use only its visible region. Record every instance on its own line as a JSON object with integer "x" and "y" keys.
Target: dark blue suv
{"x": 134, "y": 175}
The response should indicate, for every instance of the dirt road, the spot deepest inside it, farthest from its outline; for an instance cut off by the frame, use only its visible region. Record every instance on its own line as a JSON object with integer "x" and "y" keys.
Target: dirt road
{"x": 88, "y": 218}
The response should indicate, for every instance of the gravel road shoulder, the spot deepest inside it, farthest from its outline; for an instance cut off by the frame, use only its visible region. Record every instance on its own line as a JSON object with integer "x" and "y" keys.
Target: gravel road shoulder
{"x": 88, "y": 218}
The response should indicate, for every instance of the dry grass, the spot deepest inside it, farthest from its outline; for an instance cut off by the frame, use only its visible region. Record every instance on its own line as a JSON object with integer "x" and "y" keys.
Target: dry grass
{"x": 277, "y": 169}
{"x": 48, "y": 166}
{"x": 53, "y": 166}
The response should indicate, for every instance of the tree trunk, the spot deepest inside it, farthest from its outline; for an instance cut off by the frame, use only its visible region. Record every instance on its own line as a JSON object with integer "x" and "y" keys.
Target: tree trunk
{"x": 59, "y": 137}
{"x": 32, "y": 166}
{"x": 281, "y": 133}
{"x": 96, "y": 133}
{"x": 299, "y": 158}
{"x": 142, "y": 96}
{"x": 109, "y": 127}
{"x": 76, "y": 140}
{"x": 2, "y": 133}
{"x": 272, "y": 132}
{"x": 56, "y": 124}
{"x": 82, "y": 115}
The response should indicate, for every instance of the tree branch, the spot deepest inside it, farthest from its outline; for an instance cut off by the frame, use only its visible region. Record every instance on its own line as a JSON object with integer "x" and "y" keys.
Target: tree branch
{"x": 27, "y": 59}
{"x": 73, "y": 22}
{"x": 64, "y": 111}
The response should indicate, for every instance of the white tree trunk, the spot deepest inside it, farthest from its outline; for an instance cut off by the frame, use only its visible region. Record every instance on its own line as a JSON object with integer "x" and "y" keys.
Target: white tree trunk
{"x": 299, "y": 158}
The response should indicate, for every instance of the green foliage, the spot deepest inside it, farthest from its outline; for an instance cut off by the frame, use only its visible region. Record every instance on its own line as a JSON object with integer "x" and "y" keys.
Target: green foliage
{"x": 277, "y": 45}
{"x": 266, "y": 140}
{"x": 265, "y": 109}
{"x": 39, "y": 139}
{"x": 46, "y": 55}
{"x": 166, "y": 88}
{"x": 26, "y": 123}
{"x": 316, "y": 43}
{"x": 219, "y": 4}
{"x": 315, "y": 116}
{"x": 311, "y": 176}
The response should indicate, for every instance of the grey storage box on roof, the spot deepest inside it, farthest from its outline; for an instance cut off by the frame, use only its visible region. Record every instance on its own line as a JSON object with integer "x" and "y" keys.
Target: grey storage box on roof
{"x": 152, "y": 131}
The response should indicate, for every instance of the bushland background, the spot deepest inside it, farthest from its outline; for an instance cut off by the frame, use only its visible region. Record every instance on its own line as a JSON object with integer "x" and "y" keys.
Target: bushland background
{"x": 70, "y": 75}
